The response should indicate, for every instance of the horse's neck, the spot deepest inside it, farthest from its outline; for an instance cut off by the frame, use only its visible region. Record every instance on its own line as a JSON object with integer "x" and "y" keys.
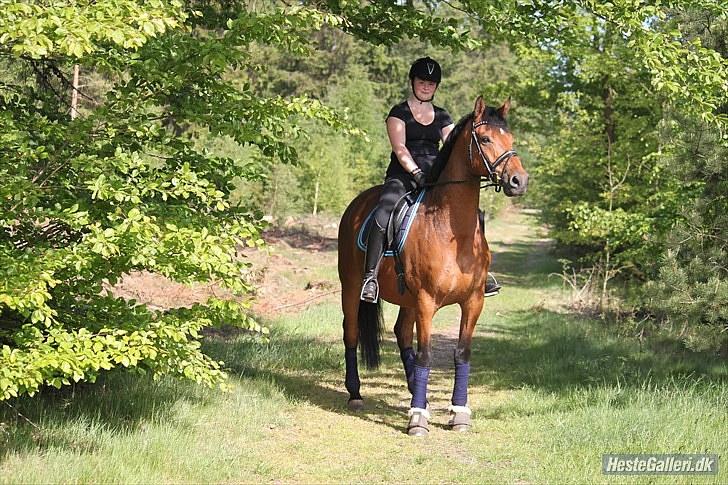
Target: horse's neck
{"x": 458, "y": 193}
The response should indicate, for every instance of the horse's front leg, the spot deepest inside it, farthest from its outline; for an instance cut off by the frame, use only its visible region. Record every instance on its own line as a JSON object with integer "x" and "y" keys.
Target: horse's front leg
{"x": 459, "y": 410}
{"x": 404, "y": 330}
{"x": 418, "y": 413}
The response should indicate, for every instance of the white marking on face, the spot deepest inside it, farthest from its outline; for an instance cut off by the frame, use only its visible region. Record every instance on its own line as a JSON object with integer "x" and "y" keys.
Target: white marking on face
{"x": 502, "y": 131}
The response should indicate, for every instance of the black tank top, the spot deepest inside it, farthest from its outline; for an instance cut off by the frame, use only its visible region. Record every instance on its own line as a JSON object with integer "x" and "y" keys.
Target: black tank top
{"x": 422, "y": 141}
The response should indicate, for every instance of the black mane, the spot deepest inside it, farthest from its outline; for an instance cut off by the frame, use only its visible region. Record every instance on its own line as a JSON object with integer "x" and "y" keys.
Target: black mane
{"x": 491, "y": 116}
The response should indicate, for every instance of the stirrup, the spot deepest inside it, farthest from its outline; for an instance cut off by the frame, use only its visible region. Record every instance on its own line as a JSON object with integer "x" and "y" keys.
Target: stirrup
{"x": 368, "y": 298}
{"x": 494, "y": 289}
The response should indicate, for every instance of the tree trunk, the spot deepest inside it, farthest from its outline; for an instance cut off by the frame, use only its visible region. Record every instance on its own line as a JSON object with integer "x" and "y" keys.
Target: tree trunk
{"x": 316, "y": 195}
{"x": 272, "y": 207}
{"x": 609, "y": 131}
{"x": 74, "y": 91}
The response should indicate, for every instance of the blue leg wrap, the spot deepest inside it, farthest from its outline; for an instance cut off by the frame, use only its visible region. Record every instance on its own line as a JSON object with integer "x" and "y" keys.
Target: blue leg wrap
{"x": 419, "y": 396}
{"x": 408, "y": 359}
{"x": 460, "y": 391}
{"x": 352, "y": 373}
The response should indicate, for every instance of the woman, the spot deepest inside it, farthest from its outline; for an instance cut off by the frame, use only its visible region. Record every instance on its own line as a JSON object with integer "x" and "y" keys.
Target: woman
{"x": 415, "y": 129}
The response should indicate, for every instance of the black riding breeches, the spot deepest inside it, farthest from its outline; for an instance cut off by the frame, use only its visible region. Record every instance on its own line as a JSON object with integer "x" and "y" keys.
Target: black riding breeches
{"x": 394, "y": 188}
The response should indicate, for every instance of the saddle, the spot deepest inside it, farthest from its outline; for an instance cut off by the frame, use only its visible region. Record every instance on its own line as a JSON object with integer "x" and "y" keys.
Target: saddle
{"x": 398, "y": 228}
{"x": 400, "y": 222}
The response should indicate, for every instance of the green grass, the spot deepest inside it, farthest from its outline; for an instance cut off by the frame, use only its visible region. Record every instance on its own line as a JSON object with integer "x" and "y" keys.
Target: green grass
{"x": 551, "y": 392}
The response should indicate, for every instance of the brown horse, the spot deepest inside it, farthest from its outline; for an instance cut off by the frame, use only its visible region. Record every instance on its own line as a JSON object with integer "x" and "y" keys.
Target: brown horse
{"x": 445, "y": 258}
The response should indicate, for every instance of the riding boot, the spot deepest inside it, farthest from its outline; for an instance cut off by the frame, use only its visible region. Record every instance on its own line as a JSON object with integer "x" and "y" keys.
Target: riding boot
{"x": 492, "y": 287}
{"x": 375, "y": 250}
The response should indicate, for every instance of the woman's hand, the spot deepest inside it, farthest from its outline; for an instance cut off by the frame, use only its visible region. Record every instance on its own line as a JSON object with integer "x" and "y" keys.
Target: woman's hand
{"x": 419, "y": 177}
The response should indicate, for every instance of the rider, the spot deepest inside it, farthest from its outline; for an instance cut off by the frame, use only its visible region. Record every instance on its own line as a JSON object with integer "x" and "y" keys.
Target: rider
{"x": 415, "y": 128}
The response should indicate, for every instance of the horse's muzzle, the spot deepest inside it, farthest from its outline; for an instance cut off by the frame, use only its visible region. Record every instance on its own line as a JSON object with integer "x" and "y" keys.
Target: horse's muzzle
{"x": 515, "y": 184}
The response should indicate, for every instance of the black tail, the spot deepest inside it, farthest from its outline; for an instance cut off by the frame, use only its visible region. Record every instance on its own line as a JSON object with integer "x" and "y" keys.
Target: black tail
{"x": 370, "y": 332}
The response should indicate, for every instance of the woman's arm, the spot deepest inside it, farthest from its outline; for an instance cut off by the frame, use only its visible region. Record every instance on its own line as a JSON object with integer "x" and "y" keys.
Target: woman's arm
{"x": 396, "y": 133}
{"x": 445, "y": 132}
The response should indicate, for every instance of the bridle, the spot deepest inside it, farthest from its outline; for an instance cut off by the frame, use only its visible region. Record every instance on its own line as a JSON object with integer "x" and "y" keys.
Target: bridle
{"x": 494, "y": 178}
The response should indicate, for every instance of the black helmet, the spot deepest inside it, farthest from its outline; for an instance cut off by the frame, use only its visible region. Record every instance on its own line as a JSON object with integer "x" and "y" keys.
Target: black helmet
{"x": 426, "y": 69}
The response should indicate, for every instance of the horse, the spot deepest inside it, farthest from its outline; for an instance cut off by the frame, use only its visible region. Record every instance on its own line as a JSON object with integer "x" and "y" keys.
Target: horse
{"x": 445, "y": 257}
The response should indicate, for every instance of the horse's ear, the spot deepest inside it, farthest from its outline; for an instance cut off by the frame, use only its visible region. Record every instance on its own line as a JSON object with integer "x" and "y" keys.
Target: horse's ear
{"x": 479, "y": 108}
{"x": 503, "y": 110}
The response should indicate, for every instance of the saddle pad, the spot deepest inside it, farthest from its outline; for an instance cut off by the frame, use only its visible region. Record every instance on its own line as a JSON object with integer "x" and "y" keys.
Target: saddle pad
{"x": 401, "y": 230}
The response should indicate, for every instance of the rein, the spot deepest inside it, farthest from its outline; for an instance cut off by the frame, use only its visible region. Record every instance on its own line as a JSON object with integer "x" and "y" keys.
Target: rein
{"x": 493, "y": 178}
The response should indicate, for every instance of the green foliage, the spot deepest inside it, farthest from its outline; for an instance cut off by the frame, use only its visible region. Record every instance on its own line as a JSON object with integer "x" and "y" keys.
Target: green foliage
{"x": 334, "y": 168}
{"x": 681, "y": 69}
{"x": 162, "y": 343}
{"x": 690, "y": 298}
{"x": 388, "y": 23}
{"x": 689, "y": 291}
{"x": 628, "y": 132}
{"x": 603, "y": 184}
{"x": 76, "y": 29}
{"x": 123, "y": 188}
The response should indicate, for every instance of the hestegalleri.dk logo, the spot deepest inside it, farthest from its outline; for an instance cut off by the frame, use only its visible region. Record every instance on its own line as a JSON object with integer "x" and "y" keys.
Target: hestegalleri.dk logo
{"x": 659, "y": 464}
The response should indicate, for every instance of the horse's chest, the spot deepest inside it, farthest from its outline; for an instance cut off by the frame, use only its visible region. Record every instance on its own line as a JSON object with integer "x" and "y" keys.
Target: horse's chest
{"x": 450, "y": 266}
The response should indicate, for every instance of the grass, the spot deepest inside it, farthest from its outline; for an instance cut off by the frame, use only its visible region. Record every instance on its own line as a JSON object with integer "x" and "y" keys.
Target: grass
{"x": 551, "y": 392}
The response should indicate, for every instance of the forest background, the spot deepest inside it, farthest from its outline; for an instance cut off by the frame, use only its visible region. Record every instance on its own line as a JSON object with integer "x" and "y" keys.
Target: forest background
{"x": 193, "y": 124}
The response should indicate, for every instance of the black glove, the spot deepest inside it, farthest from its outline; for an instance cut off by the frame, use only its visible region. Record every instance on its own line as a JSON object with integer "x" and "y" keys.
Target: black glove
{"x": 419, "y": 177}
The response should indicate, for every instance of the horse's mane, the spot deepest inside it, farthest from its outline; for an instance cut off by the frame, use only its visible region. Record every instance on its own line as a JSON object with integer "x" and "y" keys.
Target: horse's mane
{"x": 493, "y": 118}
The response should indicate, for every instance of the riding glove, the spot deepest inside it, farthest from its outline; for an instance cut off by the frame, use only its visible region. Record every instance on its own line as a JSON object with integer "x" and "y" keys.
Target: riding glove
{"x": 419, "y": 177}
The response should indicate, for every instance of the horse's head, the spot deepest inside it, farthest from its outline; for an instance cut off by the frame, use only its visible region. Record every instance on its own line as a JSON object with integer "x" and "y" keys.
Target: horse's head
{"x": 491, "y": 149}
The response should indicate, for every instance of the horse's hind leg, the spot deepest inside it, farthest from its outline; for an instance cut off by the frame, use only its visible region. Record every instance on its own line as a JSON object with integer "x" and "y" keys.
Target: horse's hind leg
{"x": 459, "y": 410}
{"x": 404, "y": 329}
{"x": 350, "y": 305}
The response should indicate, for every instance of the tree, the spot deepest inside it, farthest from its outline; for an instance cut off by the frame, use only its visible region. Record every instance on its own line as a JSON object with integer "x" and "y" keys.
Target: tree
{"x": 123, "y": 187}
{"x": 596, "y": 81}
{"x": 688, "y": 291}
{"x": 137, "y": 182}
{"x": 336, "y": 167}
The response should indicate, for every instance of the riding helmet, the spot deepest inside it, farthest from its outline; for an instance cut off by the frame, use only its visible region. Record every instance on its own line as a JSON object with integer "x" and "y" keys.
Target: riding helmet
{"x": 426, "y": 69}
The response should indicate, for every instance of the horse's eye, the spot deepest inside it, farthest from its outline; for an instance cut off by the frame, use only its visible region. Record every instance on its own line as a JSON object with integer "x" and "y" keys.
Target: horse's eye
{"x": 484, "y": 139}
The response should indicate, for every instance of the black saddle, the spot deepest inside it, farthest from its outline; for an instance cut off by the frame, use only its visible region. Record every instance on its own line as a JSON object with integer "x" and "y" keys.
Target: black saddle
{"x": 400, "y": 222}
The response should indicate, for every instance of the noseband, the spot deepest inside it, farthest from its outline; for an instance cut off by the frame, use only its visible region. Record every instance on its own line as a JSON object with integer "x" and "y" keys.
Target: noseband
{"x": 493, "y": 177}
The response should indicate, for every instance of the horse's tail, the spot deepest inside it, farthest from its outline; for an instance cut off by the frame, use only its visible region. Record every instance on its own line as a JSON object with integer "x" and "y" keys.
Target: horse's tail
{"x": 370, "y": 332}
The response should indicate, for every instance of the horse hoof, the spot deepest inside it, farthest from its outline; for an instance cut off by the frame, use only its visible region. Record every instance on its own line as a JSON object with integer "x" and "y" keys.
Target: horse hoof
{"x": 459, "y": 419}
{"x": 355, "y": 404}
{"x": 417, "y": 425}
{"x": 460, "y": 428}
{"x": 418, "y": 431}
